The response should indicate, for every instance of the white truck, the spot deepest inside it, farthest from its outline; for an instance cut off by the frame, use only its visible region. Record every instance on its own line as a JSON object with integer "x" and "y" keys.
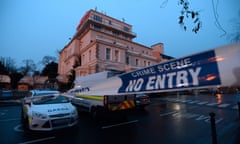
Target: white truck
{"x": 98, "y": 104}
{"x": 217, "y": 67}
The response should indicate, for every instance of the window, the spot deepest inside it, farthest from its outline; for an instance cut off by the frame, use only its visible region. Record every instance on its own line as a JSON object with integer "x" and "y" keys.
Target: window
{"x": 115, "y": 33}
{"x": 145, "y": 63}
{"x": 127, "y": 60}
{"x": 89, "y": 55}
{"x": 125, "y": 37}
{"x": 149, "y": 63}
{"x": 96, "y": 27}
{"x": 108, "y": 53}
{"x": 116, "y": 56}
{"x": 83, "y": 57}
{"x": 137, "y": 62}
{"x": 97, "y": 18}
{"x": 126, "y": 29}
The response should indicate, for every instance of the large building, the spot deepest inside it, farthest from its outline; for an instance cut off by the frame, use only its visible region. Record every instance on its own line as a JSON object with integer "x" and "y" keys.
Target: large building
{"x": 104, "y": 43}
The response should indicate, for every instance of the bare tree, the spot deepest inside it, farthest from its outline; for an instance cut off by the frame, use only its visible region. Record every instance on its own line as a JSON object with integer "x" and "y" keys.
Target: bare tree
{"x": 8, "y": 64}
{"x": 235, "y": 36}
{"x": 48, "y": 59}
{"x": 28, "y": 68}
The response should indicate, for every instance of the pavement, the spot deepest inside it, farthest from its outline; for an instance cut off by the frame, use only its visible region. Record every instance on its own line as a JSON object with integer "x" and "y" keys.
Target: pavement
{"x": 10, "y": 102}
{"x": 231, "y": 133}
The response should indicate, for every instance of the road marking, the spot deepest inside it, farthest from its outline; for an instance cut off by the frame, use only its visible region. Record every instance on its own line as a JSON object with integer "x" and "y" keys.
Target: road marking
{"x": 212, "y": 104}
{"x": 185, "y": 101}
{"x": 168, "y": 113}
{"x": 6, "y": 120}
{"x": 235, "y": 107}
{"x": 38, "y": 140}
{"x": 18, "y": 128}
{"x": 3, "y": 112}
{"x": 193, "y": 102}
{"x": 223, "y": 105}
{"x": 198, "y": 102}
{"x": 119, "y": 124}
{"x": 196, "y": 117}
{"x": 188, "y": 101}
{"x": 202, "y": 103}
{"x": 177, "y": 100}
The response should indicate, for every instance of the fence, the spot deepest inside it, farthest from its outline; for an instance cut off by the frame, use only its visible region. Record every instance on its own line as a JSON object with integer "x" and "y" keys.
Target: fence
{"x": 12, "y": 94}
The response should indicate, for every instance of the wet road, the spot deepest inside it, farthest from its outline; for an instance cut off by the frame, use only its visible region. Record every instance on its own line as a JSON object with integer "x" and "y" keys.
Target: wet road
{"x": 169, "y": 119}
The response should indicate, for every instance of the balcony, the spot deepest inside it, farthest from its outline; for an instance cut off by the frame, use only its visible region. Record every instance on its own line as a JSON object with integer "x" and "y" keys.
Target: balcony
{"x": 112, "y": 25}
{"x": 133, "y": 52}
{"x": 129, "y": 68}
{"x": 102, "y": 38}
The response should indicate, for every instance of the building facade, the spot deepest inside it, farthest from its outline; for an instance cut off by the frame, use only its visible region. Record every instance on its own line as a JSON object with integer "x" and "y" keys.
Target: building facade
{"x": 34, "y": 82}
{"x": 104, "y": 43}
{"x": 5, "y": 82}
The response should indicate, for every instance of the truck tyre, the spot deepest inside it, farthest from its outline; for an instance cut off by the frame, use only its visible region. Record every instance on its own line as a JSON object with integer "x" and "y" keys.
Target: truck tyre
{"x": 94, "y": 113}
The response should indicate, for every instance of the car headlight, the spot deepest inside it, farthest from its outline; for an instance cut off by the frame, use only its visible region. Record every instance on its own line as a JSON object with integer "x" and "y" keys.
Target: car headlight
{"x": 39, "y": 115}
{"x": 74, "y": 112}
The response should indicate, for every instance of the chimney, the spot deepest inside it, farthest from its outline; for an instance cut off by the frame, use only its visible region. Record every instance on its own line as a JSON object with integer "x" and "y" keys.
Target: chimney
{"x": 157, "y": 50}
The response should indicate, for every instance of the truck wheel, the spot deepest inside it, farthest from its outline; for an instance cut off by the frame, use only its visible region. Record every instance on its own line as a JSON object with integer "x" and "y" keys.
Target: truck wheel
{"x": 94, "y": 113}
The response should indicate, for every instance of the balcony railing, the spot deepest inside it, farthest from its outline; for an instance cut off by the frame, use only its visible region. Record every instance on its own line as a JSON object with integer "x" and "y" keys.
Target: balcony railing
{"x": 112, "y": 25}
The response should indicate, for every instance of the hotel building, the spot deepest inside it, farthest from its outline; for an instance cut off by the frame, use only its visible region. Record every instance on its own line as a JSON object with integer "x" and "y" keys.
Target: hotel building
{"x": 103, "y": 43}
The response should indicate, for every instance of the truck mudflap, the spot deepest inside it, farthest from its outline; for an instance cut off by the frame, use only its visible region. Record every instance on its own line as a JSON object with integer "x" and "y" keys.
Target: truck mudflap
{"x": 126, "y": 104}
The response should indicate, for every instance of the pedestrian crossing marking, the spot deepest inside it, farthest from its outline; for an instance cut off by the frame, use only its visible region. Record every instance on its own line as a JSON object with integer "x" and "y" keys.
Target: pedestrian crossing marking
{"x": 235, "y": 107}
{"x": 198, "y": 102}
{"x": 192, "y": 102}
{"x": 223, "y": 105}
{"x": 202, "y": 103}
{"x": 212, "y": 104}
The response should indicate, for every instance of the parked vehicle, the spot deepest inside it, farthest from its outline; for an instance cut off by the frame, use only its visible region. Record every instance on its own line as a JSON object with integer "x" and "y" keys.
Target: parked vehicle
{"x": 46, "y": 110}
{"x": 142, "y": 100}
{"x": 98, "y": 104}
{"x": 35, "y": 93}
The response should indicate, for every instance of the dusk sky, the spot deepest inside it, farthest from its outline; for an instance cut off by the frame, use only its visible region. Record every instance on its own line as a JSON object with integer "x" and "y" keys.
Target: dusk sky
{"x": 32, "y": 29}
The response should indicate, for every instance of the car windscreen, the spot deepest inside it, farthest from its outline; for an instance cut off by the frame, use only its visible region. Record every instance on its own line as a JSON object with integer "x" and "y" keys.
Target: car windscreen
{"x": 51, "y": 99}
{"x": 139, "y": 95}
{"x": 45, "y": 93}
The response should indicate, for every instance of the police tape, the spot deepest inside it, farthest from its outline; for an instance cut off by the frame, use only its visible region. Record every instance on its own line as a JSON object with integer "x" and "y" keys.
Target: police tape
{"x": 216, "y": 67}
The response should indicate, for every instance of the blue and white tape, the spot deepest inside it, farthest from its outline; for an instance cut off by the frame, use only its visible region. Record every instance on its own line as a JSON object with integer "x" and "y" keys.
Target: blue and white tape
{"x": 217, "y": 67}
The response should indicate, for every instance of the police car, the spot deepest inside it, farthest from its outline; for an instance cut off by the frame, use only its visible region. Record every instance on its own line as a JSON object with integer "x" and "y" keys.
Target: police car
{"x": 46, "y": 110}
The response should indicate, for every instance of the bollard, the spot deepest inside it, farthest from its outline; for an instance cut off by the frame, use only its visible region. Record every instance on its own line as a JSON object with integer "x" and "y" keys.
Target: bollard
{"x": 238, "y": 109}
{"x": 213, "y": 128}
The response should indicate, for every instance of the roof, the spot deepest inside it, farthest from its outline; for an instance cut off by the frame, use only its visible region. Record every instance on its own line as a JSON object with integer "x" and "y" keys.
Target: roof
{"x": 40, "y": 79}
{"x": 43, "y": 92}
{"x": 5, "y": 79}
{"x": 26, "y": 80}
{"x": 62, "y": 78}
{"x": 166, "y": 56}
